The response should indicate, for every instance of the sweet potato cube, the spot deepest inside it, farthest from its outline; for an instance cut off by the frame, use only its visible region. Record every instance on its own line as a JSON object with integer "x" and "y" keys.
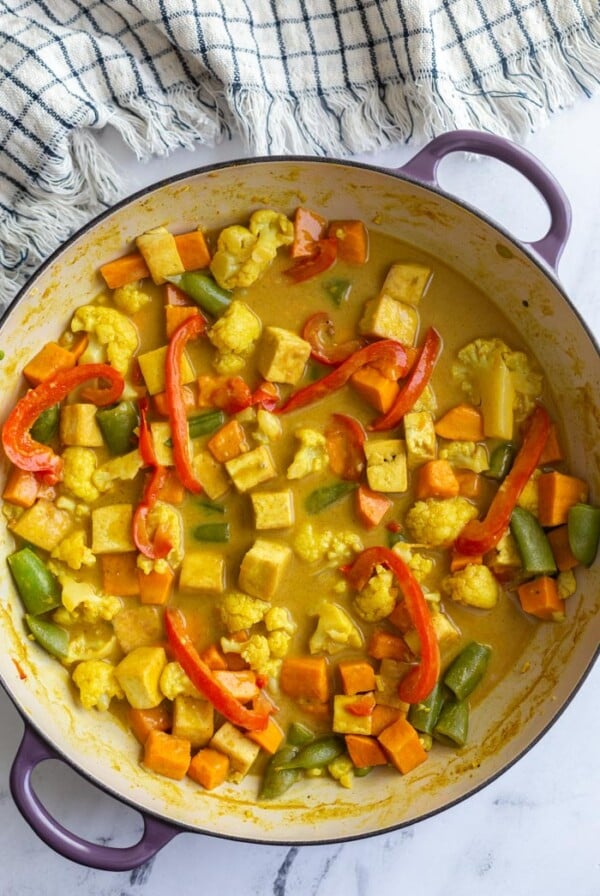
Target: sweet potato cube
{"x": 540, "y": 598}
{"x": 375, "y": 388}
{"x": 402, "y": 746}
{"x": 228, "y": 442}
{"x": 21, "y": 488}
{"x": 167, "y": 755}
{"x": 561, "y": 549}
{"x": 143, "y": 721}
{"x": 209, "y": 768}
{"x": 156, "y": 586}
{"x": 50, "y": 359}
{"x": 357, "y": 676}
{"x": 305, "y": 678}
{"x": 192, "y": 250}
{"x": 557, "y": 492}
{"x": 270, "y": 739}
{"x": 364, "y": 751}
{"x": 175, "y": 315}
{"x": 120, "y": 574}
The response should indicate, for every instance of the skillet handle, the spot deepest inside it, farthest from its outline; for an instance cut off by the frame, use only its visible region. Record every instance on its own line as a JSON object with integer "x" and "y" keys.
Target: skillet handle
{"x": 423, "y": 167}
{"x": 32, "y": 750}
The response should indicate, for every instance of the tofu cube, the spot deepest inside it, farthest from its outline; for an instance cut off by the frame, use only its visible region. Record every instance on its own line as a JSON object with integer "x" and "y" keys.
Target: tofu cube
{"x": 386, "y": 465}
{"x": 251, "y": 468}
{"x": 242, "y": 751}
{"x": 262, "y": 568}
{"x": 211, "y": 474}
{"x": 203, "y": 571}
{"x": 43, "y": 525}
{"x": 139, "y": 674}
{"x": 406, "y": 283}
{"x": 344, "y": 721}
{"x": 387, "y": 681}
{"x": 273, "y": 510}
{"x": 445, "y": 631}
{"x": 138, "y": 627}
{"x": 282, "y": 355}
{"x": 78, "y": 426}
{"x": 152, "y": 365}
{"x": 161, "y": 434}
{"x": 421, "y": 441}
{"x": 111, "y": 529}
{"x": 193, "y": 720}
{"x": 385, "y": 318}
{"x": 159, "y": 250}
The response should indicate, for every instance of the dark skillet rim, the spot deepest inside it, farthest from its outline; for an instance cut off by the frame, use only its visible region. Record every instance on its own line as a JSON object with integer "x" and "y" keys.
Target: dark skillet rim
{"x": 550, "y": 273}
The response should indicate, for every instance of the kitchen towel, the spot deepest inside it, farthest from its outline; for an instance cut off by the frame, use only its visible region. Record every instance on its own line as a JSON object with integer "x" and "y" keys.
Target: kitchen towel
{"x": 328, "y": 77}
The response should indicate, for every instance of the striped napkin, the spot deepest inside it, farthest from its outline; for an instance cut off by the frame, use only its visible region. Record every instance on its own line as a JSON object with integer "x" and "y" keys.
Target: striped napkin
{"x": 325, "y": 77}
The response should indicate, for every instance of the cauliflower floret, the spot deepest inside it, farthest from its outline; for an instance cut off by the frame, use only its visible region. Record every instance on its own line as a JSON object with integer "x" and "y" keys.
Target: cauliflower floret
{"x": 165, "y": 517}
{"x": 244, "y": 253}
{"x": 507, "y": 552}
{"x": 124, "y": 467}
{"x": 335, "y": 630}
{"x": 478, "y": 356}
{"x": 378, "y": 597}
{"x": 342, "y": 770}
{"x": 83, "y": 601}
{"x": 474, "y": 585}
{"x": 74, "y": 551}
{"x": 112, "y": 329}
{"x": 131, "y": 297}
{"x": 255, "y": 651}
{"x": 269, "y": 427}
{"x": 419, "y": 564}
{"x": 311, "y": 456}
{"x": 97, "y": 683}
{"x": 466, "y": 456}
{"x": 279, "y": 618}
{"x": 335, "y": 547}
{"x": 79, "y": 466}
{"x": 567, "y": 584}
{"x": 86, "y": 642}
{"x": 279, "y": 643}
{"x": 173, "y": 682}
{"x": 239, "y": 610}
{"x": 234, "y": 335}
{"x": 426, "y": 401}
{"x": 438, "y": 521}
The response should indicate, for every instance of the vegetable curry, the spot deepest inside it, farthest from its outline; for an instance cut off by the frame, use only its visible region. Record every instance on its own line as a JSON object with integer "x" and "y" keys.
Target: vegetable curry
{"x": 286, "y": 506}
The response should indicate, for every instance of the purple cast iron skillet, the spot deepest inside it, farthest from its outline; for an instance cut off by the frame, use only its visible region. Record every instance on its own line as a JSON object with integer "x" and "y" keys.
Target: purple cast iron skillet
{"x": 34, "y": 749}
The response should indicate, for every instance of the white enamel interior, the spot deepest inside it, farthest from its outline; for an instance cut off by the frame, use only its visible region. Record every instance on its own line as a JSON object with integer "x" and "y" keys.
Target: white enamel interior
{"x": 522, "y": 707}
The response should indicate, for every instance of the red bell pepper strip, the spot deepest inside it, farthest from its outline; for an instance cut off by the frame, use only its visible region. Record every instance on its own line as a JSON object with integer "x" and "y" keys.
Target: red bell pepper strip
{"x": 388, "y": 348}
{"x": 420, "y": 680}
{"x": 324, "y": 255}
{"x": 319, "y": 331}
{"x": 20, "y": 448}
{"x": 190, "y": 328}
{"x": 345, "y": 439}
{"x": 414, "y": 384}
{"x": 160, "y": 545}
{"x": 480, "y": 536}
{"x": 202, "y": 677}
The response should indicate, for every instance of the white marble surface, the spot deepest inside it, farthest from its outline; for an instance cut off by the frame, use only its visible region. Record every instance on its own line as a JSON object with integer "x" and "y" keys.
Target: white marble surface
{"x": 533, "y": 831}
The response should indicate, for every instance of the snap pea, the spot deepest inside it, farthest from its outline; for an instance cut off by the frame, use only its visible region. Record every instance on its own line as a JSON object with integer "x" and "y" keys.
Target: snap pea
{"x": 424, "y": 715}
{"x": 326, "y": 495}
{"x": 299, "y": 734}
{"x": 501, "y": 460}
{"x": 205, "y": 292}
{"x": 45, "y": 427}
{"x": 532, "y": 542}
{"x": 317, "y": 754}
{"x": 337, "y": 289}
{"x": 38, "y": 589}
{"x": 117, "y": 425}
{"x": 214, "y": 532}
{"x": 364, "y": 771}
{"x": 277, "y": 780}
{"x": 467, "y": 669}
{"x": 583, "y": 529}
{"x": 50, "y": 636}
{"x": 452, "y": 727}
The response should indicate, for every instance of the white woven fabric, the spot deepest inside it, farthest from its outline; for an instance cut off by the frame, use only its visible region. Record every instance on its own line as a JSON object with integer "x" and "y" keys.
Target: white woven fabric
{"x": 306, "y": 76}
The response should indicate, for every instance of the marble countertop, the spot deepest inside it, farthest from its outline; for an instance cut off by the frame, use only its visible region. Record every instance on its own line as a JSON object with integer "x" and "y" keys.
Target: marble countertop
{"x": 533, "y": 830}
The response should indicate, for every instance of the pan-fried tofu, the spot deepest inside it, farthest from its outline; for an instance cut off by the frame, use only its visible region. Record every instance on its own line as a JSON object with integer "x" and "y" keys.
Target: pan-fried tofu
{"x": 139, "y": 675}
{"x": 203, "y": 571}
{"x": 111, "y": 529}
{"x": 251, "y": 468}
{"x": 138, "y": 627}
{"x": 346, "y": 722}
{"x": 273, "y": 510}
{"x": 386, "y": 465}
{"x": 406, "y": 283}
{"x": 43, "y": 525}
{"x": 421, "y": 441}
{"x": 282, "y": 355}
{"x": 159, "y": 250}
{"x": 241, "y": 750}
{"x": 152, "y": 365}
{"x": 385, "y": 318}
{"x": 211, "y": 474}
{"x": 161, "y": 439}
{"x": 262, "y": 568}
{"x": 193, "y": 720}
{"x": 78, "y": 426}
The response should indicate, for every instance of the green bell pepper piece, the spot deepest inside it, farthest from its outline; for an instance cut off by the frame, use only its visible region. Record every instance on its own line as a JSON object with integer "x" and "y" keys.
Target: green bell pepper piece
{"x": 117, "y": 425}
{"x": 45, "y": 428}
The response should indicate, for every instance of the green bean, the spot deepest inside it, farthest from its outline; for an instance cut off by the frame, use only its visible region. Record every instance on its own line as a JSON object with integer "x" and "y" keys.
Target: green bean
{"x": 467, "y": 669}
{"x": 583, "y": 528}
{"x": 316, "y": 754}
{"x": 453, "y": 724}
{"x": 532, "y": 542}
{"x": 424, "y": 715}
{"x": 117, "y": 425}
{"x": 210, "y": 506}
{"x": 45, "y": 427}
{"x": 50, "y": 636}
{"x": 214, "y": 532}
{"x": 299, "y": 734}
{"x": 337, "y": 289}
{"x": 205, "y": 292}
{"x": 38, "y": 589}
{"x": 501, "y": 460}
{"x": 326, "y": 495}
{"x": 202, "y": 424}
{"x": 277, "y": 780}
